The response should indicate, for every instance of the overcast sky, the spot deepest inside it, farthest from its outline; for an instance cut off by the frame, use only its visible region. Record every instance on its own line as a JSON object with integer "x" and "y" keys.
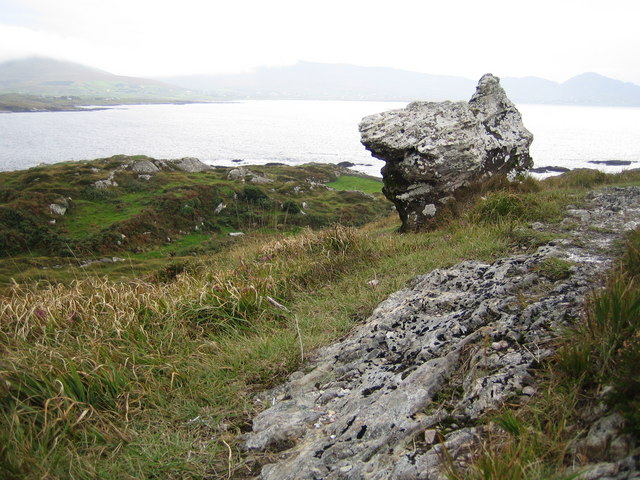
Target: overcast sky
{"x": 553, "y": 39}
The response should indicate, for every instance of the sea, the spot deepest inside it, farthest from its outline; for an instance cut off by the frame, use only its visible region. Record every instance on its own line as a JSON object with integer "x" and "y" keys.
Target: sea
{"x": 291, "y": 132}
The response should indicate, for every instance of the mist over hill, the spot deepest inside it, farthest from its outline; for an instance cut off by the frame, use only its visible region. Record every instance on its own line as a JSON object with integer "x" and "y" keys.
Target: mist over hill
{"x": 302, "y": 81}
{"x": 320, "y": 81}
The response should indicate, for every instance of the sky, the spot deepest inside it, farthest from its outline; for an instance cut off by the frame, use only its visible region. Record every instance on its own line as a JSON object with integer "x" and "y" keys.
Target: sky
{"x": 552, "y": 39}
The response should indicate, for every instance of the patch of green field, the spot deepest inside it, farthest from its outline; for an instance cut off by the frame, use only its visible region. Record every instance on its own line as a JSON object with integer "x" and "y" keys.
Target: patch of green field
{"x": 90, "y": 217}
{"x": 362, "y": 184}
{"x": 140, "y": 213}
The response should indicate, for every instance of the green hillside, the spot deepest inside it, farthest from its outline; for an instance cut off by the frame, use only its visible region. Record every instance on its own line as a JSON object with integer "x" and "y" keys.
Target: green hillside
{"x": 151, "y": 372}
{"x": 48, "y": 84}
{"x": 60, "y": 215}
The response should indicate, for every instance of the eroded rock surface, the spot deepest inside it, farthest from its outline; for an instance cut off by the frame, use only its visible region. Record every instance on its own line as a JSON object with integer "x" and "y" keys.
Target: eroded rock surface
{"x": 433, "y": 149}
{"x": 384, "y": 402}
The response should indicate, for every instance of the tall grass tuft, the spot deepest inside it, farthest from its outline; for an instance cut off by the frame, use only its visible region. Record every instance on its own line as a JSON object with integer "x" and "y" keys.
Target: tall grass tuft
{"x": 93, "y": 368}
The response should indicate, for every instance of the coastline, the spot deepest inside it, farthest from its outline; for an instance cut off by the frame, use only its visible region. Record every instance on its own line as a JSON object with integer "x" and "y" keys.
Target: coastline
{"x": 33, "y": 104}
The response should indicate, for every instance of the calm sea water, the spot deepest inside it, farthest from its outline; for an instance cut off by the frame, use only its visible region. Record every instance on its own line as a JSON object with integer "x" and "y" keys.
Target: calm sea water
{"x": 290, "y": 132}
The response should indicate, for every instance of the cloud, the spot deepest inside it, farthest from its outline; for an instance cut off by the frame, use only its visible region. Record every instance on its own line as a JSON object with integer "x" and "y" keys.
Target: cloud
{"x": 547, "y": 38}
{"x": 16, "y": 42}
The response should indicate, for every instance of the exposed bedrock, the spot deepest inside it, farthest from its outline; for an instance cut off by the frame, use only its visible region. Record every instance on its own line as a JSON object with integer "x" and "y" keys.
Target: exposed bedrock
{"x": 416, "y": 379}
{"x": 432, "y": 149}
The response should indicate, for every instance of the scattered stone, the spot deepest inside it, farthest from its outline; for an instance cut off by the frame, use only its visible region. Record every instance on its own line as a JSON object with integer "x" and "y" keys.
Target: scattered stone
{"x": 221, "y": 206}
{"x": 144, "y": 177}
{"x": 626, "y": 469}
{"x": 257, "y": 179}
{"x": 60, "y": 206}
{"x": 86, "y": 263}
{"x": 598, "y": 442}
{"x": 238, "y": 173}
{"x": 430, "y": 436}
{"x": 244, "y": 174}
{"x": 106, "y": 183}
{"x": 501, "y": 345}
{"x": 236, "y": 234}
{"x": 433, "y": 149}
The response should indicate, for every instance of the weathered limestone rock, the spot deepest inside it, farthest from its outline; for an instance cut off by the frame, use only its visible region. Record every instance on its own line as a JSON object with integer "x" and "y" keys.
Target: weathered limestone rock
{"x": 244, "y": 174}
{"x": 60, "y": 206}
{"x": 152, "y": 165}
{"x": 145, "y": 166}
{"x": 438, "y": 355}
{"x": 433, "y": 149}
{"x": 107, "y": 182}
{"x": 188, "y": 164}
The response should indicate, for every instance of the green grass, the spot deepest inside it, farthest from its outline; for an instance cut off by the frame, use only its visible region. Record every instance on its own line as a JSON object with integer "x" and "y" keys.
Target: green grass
{"x": 154, "y": 376}
{"x": 89, "y": 218}
{"x": 362, "y": 184}
{"x": 135, "y": 218}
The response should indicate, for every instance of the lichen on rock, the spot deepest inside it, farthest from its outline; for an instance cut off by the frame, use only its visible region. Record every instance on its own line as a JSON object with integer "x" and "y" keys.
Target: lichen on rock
{"x": 438, "y": 356}
{"x": 433, "y": 149}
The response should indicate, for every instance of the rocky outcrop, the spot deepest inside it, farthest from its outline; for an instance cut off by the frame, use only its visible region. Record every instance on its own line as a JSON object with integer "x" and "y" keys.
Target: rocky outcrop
{"x": 244, "y": 174}
{"x": 147, "y": 166}
{"x": 433, "y": 149}
{"x": 107, "y": 182}
{"x": 409, "y": 384}
{"x": 188, "y": 164}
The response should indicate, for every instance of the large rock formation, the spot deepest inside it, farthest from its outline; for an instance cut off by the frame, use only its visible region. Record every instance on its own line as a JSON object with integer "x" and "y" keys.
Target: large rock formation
{"x": 407, "y": 388}
{"x": 433, "y": 149}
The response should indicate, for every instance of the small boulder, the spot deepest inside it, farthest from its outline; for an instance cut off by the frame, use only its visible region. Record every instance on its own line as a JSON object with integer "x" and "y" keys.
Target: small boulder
{"x": 189, "y": 164}
{"x": 144, "y": 166}
{"x": 238, "y": 173}
{"x": 433, "y": 149}
{"x": 60, "y": 206}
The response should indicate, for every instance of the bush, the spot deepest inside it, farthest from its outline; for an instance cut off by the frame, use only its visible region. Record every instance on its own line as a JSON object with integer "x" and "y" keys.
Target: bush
{"x": 255, "y": 196}
{"x": 291, "y": 207}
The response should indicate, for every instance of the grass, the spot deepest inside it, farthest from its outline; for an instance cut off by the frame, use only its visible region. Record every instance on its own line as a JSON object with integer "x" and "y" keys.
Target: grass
{"x": 154, "y": 376}
{"x": 358, "y": 183}
{"x": 136, "y": 218}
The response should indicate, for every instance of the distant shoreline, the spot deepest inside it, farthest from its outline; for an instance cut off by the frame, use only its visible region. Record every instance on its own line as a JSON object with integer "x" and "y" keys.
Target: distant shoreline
{"x": 19, "y": 103}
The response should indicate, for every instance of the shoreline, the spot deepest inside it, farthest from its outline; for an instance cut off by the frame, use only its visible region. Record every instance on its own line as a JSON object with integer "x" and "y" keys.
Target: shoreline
{"x": 94, "y": 106}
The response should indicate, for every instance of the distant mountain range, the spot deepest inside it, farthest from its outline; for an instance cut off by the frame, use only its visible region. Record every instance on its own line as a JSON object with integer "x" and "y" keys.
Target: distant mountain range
{"x": 304, "y": 80}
